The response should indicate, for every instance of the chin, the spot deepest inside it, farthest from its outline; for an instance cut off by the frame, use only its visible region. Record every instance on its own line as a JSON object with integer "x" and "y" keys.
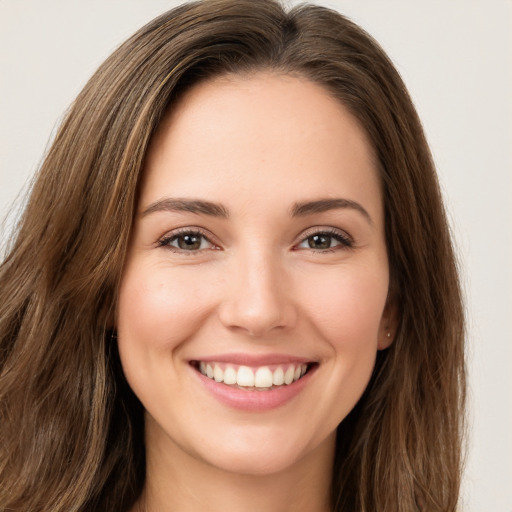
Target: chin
{"x": 259, "y": 462}
{"x": 266, "y": 451}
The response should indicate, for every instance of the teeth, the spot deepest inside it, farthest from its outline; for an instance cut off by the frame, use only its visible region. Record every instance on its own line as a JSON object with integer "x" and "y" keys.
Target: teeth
{"x": 261, "y": 378}
{"x": 245, "y": 376}
{"x": 218, "y": 374}
{"x": 289, "y": 374}
{"x": 278, "y": 377}
{"x": 229, "y": 375}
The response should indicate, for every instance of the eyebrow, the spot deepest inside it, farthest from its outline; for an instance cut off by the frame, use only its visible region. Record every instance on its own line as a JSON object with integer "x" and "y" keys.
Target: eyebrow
{"x": 187, "y": 205}
{"x": 300, "y": 209}
{"x": 323, "y": 205}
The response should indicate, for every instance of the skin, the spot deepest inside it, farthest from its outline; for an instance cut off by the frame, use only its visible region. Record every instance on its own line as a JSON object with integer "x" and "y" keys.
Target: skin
{"x": 257, "y": 145}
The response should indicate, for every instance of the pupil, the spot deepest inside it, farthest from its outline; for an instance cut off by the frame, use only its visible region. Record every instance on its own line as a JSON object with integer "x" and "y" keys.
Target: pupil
{"x": 319, "y": 242}
{"x": 189, "y": 242}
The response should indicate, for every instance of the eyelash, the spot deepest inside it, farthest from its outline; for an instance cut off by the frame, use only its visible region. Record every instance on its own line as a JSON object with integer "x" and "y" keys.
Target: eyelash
{"x": 181, "y": 233}
{"x": 345, "y": 241}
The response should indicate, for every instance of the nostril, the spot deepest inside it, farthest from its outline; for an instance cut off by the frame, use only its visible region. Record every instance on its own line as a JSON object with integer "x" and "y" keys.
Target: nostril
{"x": 254, "y": 321}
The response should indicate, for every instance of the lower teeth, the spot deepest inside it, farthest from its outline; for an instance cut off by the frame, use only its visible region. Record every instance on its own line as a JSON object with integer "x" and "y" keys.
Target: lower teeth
{"x": 253, "y": 388}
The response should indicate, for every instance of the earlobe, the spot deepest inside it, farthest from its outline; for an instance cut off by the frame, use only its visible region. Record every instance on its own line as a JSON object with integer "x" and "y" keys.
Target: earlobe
{"x": 385, "y": 341}
{"x": 388, "y": 326}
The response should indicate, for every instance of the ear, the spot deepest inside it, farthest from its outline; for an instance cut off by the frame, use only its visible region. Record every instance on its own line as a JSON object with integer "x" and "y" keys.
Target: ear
{"x": 388, "y": 325}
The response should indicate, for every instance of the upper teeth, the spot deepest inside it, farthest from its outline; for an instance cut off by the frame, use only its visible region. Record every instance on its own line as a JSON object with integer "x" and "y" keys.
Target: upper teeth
{"x": 261, "y": 377}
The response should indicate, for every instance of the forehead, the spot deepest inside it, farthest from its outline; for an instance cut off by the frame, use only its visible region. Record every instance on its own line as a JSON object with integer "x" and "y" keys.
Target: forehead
{"x": 261, "y": 129}
{"x": 262, "y": 100}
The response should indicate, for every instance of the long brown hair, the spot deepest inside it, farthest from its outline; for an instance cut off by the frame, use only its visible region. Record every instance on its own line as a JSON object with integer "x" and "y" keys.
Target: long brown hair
{"x": 71, "y": 431}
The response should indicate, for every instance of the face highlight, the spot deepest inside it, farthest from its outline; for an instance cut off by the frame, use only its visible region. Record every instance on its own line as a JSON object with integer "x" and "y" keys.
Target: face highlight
{"x": 253, "y": 300}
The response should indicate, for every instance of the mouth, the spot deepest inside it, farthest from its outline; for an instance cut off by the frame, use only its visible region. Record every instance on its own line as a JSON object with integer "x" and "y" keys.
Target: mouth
{"x": 248, "y": 378}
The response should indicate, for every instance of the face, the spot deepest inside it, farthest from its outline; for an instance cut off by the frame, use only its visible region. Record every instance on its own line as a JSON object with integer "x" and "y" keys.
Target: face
{"x": 254, "y": 296}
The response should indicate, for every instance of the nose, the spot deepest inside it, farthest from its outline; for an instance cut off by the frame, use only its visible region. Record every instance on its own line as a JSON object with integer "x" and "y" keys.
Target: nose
{"x": 257, "y": 298}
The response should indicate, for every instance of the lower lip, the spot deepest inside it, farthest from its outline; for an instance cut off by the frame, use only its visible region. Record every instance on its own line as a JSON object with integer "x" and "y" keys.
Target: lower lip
{"x": 254, "y": 400}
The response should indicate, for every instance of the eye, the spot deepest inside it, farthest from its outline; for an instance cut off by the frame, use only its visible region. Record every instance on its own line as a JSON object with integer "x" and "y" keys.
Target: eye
{"x": 186, "y": 241}
{"x": 327, "y": 240}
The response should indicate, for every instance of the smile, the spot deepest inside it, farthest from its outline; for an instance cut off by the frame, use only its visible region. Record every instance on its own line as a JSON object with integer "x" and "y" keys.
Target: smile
{"x": 254, "y": 383}
{"x": 257, "y": 378}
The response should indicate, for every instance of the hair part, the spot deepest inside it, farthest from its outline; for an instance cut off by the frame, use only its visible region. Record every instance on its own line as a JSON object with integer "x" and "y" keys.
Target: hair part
{"x": 71, "y": 430}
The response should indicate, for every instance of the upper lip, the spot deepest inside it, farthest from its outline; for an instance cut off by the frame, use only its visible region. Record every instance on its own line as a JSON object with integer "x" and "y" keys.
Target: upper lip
{"x": 253, "y": 360}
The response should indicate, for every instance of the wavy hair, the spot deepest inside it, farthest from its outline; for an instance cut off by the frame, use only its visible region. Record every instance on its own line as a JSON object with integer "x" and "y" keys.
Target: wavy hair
{"x": 71, "y": 430}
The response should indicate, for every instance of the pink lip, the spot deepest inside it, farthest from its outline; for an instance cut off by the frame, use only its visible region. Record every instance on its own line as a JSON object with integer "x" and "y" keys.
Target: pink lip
{"x": 253, "y": 400}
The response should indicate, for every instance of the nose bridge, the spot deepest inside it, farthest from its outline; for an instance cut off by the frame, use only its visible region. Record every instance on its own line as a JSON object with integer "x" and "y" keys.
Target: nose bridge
{"x": 257, "y": 300}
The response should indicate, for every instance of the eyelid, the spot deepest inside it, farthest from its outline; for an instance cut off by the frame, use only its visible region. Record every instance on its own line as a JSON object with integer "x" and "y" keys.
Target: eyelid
{"x": 164, "y": 240}
{"x": 346, "y": 240}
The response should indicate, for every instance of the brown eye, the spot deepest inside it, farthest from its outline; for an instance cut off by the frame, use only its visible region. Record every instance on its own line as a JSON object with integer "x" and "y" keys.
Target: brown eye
{"x": 189, "y": 241}
{"x": 319, "y": 241}
{"x": 325, "y": 241}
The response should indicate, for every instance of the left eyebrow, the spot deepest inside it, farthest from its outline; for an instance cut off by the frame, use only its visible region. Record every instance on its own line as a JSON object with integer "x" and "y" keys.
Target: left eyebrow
{"x": 323, "y": 205}
{"x": 187, "y": 205}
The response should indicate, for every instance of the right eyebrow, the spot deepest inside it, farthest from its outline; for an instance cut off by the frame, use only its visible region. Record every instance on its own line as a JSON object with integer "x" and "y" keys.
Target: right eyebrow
{"x": 198, "y": 206}
{"x": 323, "y": 205}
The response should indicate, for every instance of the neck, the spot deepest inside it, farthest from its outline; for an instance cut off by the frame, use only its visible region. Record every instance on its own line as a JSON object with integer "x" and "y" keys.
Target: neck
{"x": 177, "y": 481}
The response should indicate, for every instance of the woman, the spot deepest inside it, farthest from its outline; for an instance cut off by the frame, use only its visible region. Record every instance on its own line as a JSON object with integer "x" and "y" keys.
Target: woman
{"x": 233, "y": 285}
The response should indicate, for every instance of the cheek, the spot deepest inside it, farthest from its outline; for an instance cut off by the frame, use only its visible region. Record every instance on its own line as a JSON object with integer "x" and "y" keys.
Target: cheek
{"x": 343, "y": 308}
{"x": 346, "y": 306}
{"x": 158, "y": 309}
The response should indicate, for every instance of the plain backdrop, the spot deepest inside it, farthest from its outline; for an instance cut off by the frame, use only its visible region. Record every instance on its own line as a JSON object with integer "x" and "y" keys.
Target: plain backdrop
{"x": 456, "y": 58}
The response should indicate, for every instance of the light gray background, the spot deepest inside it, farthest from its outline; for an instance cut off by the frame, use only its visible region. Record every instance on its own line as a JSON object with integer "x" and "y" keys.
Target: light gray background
{"x": 456, "y": 58}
